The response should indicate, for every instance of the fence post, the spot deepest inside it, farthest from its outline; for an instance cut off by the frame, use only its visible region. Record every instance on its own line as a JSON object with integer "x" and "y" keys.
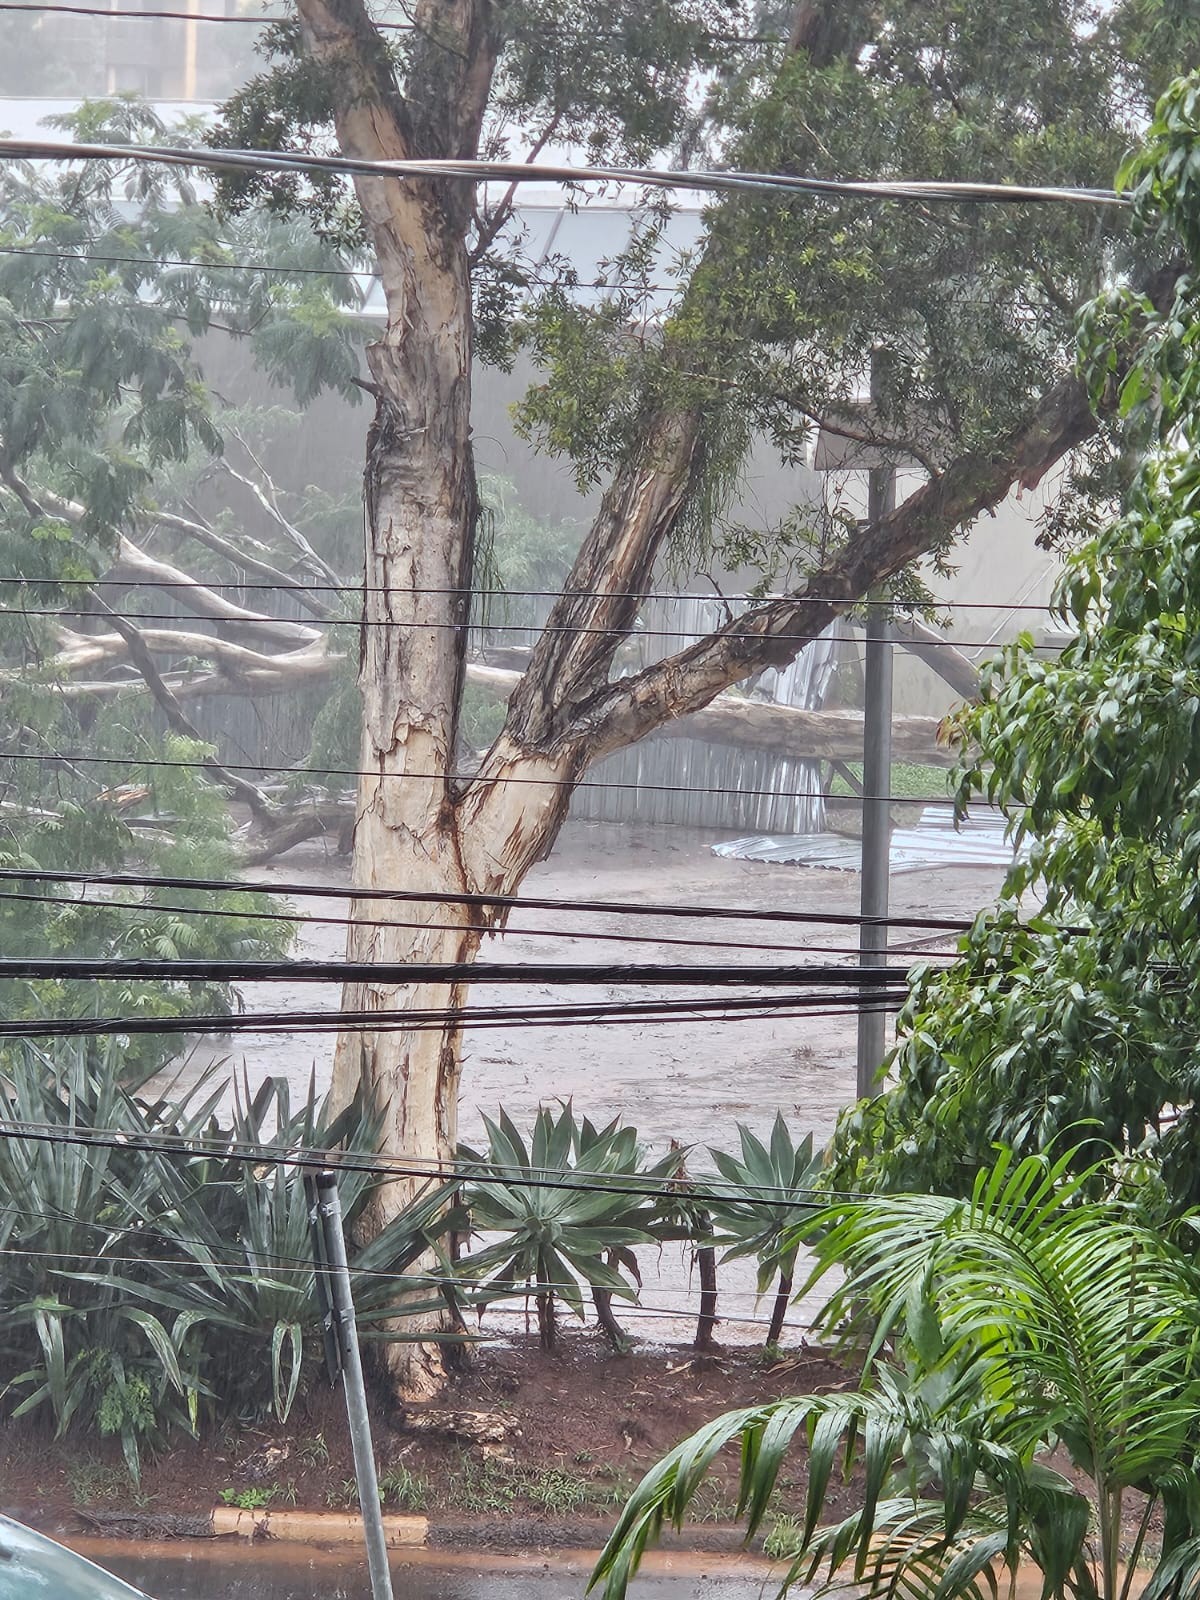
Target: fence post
{"x": 329, "y": 1220}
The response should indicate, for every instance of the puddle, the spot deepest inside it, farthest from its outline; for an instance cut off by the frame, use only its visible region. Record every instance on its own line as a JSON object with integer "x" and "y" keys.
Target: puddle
{"x": 220, "y": 1572}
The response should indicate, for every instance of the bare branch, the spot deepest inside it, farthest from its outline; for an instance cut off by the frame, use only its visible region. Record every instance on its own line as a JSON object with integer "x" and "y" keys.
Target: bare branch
{"x": 488, "y": 224}
{"x": 236, "y": 553}
{"x": 267, "y": 497}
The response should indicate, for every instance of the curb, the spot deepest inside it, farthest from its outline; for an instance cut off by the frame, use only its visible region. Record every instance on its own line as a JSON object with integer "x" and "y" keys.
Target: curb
{"x": 315, "y": 1527}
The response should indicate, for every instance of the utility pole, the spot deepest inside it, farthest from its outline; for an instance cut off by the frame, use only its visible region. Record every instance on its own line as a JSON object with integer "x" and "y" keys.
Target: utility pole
{"x": 333, "y": 1272}
{"x": 877, "y": 782}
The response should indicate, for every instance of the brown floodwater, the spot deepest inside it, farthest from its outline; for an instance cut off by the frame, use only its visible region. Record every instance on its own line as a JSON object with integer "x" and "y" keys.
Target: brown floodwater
{"x": 207, "y": 1571}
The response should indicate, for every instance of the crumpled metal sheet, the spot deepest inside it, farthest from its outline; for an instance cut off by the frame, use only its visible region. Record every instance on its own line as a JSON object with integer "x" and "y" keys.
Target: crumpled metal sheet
{"x": 978, "y": 841}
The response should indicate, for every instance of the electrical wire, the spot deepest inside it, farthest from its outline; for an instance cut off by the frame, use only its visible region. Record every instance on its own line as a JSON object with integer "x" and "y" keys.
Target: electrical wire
{"x": 681, "y": 1189}
{"x": 507, "y": 902}
{"x": 308, "y": 272}
{"x": 78, "y": 759}
{"x": 918, "y": 191}
{"x": 417, "y": 625}
{"x": 631, "y": 1310}
{"x": 118, "y": 14}
{"x": 474, "y": 1018}
{"x": 396, "y": 974}
{"x": 156, "y": 907}
{"x": 714, "y": 36}
{"x": 359, "y": 589}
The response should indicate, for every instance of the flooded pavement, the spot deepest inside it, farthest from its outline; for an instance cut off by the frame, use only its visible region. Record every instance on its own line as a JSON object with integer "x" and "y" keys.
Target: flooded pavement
{"x": 204, "y": 1572}
{"x": 692, "y": 1078}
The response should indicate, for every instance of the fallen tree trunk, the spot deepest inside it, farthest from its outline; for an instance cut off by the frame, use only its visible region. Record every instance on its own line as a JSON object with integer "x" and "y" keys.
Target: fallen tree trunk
{"x": 782, "y": 730}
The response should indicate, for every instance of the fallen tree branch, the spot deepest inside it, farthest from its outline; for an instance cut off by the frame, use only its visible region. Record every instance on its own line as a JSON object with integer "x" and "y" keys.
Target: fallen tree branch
{"x": 193, "y": 528}
{"x": 177, "y": 718}
{"x": 783, "y": 730}
{"x": 134, "y": 565}
{"x": 938, "y": 654}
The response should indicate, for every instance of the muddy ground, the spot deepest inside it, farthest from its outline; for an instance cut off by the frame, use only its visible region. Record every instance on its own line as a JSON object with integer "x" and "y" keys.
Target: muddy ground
{"x": 526, "y": 1450}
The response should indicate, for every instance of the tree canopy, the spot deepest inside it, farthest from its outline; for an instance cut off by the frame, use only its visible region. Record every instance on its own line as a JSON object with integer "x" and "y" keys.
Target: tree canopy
{"x": 1071, "y": 1010}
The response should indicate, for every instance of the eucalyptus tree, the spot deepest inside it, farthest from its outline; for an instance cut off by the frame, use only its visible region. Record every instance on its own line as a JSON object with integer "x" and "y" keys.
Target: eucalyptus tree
{"x": 1082, "y": 1017}
{"x": 778, "y": 313}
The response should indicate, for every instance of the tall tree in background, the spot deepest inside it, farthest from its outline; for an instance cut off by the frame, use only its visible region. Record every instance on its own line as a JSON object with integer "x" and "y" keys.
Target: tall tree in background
{"x": 772, "y": 331}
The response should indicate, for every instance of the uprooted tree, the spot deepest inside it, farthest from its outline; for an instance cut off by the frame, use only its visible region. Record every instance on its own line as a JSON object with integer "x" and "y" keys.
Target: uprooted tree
{"x": 773, "y": 329}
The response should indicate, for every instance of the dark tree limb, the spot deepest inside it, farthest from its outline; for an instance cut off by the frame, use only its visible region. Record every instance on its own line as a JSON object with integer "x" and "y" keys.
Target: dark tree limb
{"x": 178, "y": 719}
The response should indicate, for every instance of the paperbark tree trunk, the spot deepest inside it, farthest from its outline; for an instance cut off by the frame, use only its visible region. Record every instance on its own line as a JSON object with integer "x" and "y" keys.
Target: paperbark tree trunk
{"x": 416, "y": 826}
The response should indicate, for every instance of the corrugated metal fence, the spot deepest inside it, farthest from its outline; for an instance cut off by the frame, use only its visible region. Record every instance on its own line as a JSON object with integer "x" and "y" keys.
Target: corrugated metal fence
{"x": 680, "y": 781}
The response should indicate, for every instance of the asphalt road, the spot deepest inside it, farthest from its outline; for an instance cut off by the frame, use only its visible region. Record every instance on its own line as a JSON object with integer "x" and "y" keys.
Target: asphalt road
{"x": 268, "y": 1574}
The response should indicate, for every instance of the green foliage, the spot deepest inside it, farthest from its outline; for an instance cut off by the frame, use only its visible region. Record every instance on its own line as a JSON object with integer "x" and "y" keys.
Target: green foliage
{"x": 104, "y": 418}
{"x": 767, "y": 1193}
{"x": 247, "y": 1499}
{"x": 1023, "y": 1318}
{"x": 169, "y": 823}
{"x": 1082, "y": 1014}
{"x": 556, "y": 1235}
{"x": 405, "y": 1490}
{"x": 147, "y": 1292}
{"x": 780, "y": 311}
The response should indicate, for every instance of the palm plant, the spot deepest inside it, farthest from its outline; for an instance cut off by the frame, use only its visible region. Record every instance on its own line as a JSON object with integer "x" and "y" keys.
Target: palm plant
{"x": 562, "y": 1226}
{"x": 767, "y": 1193}
{"x": 1026, "y": 1317}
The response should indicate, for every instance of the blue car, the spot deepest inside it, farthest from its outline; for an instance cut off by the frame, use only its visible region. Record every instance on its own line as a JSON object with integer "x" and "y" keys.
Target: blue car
{"x": 33, "y": 1567}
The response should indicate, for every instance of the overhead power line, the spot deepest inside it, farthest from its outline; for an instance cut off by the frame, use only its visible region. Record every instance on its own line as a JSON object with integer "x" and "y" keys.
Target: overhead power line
{"x": 918, "y": 191}
{"x": 158, "y": 907}
{"x": 125, "y": 14}
{"x": 498, "y": 902}
{"x": 236, "y": 1271}
{"x": 611, "y": 1014}
{"x": 357, "y": 590}
{"x": 79, "y": 759}
{"x": 419, "y": 625}
{"x": 386, "y": 1167}
{"x": 397, "y": 973}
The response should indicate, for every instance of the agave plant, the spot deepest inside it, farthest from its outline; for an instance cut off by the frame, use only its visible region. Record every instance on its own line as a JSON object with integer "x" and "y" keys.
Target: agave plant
{"x": 561, "y": 1227}
{"x": 1026, "y": 1317}
{"x": 144, "y": 1289}
{"x": 766, "y": 1195}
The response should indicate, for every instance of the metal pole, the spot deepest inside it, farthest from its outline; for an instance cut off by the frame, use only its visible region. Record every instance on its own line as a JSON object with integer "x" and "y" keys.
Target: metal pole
{"x": 877, "y": 780}
{"x": 329, "y": 1210}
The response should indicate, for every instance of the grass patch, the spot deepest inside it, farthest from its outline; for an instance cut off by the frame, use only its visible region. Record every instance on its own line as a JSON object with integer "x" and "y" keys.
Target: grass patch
{"x": 910, "y": 780}
{"x": 783, "y": 1541}
{"x": 94, "y": 1483}
{"x": 405, "y": 1490}
{"x": 490, "y": 1487}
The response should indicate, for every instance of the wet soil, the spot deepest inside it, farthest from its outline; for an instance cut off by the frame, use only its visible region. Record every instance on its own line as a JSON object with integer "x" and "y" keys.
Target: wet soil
{"x": 567, "y": 1436}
